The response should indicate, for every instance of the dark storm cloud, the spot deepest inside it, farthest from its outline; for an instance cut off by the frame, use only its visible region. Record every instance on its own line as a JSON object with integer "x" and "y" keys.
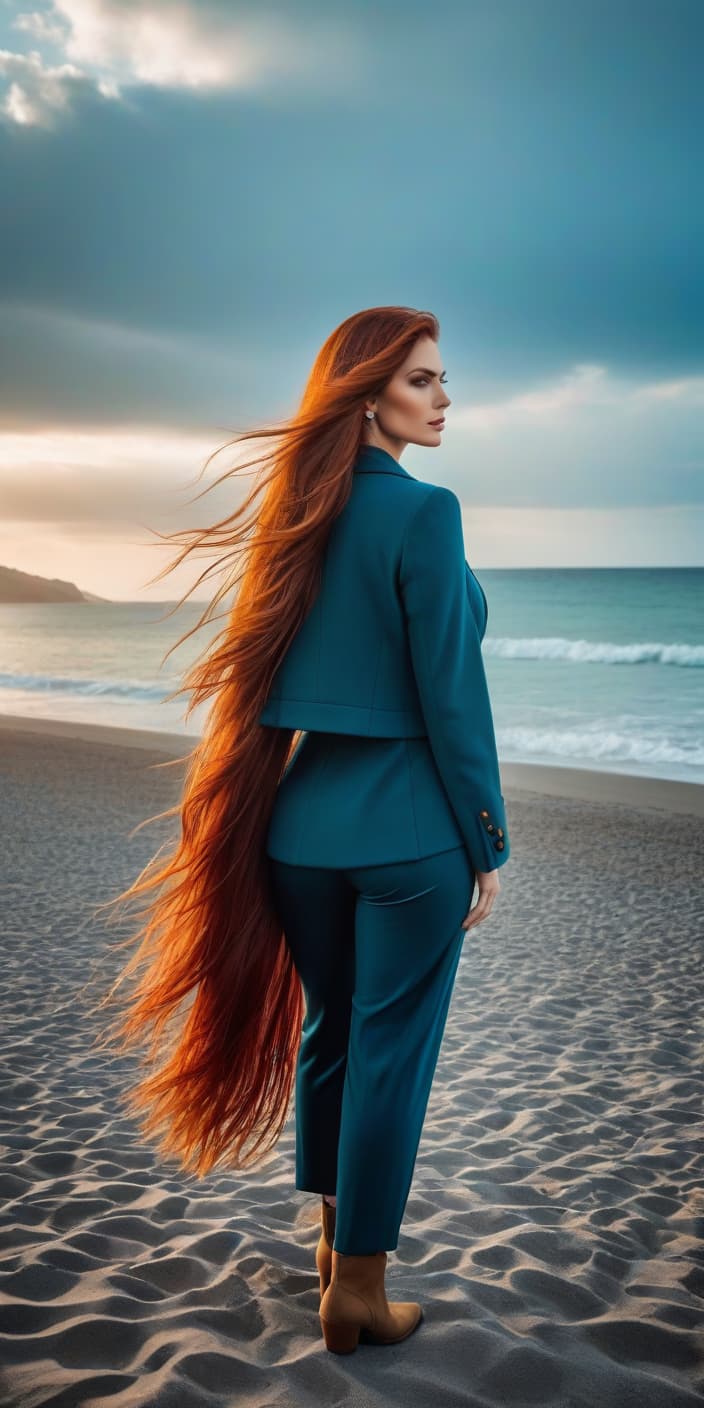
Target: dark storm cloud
{"x": 525, "y": 171}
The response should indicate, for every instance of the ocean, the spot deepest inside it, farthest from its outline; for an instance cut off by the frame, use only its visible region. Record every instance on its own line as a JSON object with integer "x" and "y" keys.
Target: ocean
{"x": 587, "y": 667}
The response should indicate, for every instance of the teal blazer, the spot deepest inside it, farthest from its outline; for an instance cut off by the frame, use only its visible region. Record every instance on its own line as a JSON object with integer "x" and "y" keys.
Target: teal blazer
{"x": 390, "y": 650}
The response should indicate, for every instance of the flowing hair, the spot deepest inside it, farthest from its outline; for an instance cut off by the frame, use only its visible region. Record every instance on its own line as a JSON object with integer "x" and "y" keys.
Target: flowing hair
{"x": 219, "y": 1000}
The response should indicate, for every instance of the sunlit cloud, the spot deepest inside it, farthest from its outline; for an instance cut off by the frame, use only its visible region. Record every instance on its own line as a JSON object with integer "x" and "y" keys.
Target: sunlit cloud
{"x": 41, "y": 26}
{"x": 618, "y": 438}
{"x": 685, "y": 390}
{"x": 109, "y": 46}
{"x": 88, "y": 504}
{"x": 584, "y": 387}
{"x": 37, "y": 92}
{"x": 111, "y": 477}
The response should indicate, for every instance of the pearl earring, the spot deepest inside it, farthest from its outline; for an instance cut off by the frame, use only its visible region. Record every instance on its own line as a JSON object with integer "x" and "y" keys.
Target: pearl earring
{"x": 369, "y": 415}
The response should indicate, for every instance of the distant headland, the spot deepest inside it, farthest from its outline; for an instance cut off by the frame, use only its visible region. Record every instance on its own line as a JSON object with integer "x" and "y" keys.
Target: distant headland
{"x": 24, "y": 586}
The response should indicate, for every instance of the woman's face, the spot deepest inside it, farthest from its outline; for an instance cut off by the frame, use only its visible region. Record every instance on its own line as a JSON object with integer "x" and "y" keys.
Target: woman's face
{"x": 410, "y": 402}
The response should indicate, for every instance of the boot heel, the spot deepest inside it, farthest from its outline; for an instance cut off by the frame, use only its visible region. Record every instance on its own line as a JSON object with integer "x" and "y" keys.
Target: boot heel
{"x": 341, "y": 1339}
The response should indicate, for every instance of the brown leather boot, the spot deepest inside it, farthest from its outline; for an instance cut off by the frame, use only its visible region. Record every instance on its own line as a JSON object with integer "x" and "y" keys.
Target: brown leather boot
{"x": 323, "y": 1251}
{"x": 354, "y": 1306}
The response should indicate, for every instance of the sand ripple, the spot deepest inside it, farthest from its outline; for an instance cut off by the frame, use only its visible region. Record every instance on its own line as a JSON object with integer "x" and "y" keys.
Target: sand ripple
{"x": 554, "y": 1226}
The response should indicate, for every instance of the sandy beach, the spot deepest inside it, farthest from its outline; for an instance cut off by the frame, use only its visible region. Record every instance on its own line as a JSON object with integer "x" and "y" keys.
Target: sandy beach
{"x": 554, "y": 1230}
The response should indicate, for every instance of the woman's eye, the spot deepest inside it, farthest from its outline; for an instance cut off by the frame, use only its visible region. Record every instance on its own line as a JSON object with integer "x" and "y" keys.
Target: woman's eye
{"x": 422, "y": 381}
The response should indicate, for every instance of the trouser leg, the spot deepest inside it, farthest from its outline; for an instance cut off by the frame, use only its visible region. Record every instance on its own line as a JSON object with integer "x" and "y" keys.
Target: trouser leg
{"x": 408, "y": 941}
{"x": 316, "y": 907}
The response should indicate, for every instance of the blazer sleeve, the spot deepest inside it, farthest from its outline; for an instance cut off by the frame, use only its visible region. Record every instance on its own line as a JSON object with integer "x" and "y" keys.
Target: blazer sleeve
{"x": 445, "y": 648}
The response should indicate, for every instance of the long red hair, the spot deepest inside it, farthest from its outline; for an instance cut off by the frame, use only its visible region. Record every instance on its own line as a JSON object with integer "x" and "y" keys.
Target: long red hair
{"x": 215, "y": 963}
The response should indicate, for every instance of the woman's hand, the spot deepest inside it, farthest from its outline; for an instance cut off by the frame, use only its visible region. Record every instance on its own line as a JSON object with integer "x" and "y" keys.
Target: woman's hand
{"x": 488, "y": 882}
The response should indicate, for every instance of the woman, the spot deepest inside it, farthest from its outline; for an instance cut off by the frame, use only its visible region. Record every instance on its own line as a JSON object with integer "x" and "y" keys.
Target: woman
{"x": 343, "y": 801}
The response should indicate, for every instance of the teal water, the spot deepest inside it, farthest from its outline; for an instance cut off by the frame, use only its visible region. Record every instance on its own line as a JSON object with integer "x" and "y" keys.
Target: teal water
{"x": 591, "y": 667}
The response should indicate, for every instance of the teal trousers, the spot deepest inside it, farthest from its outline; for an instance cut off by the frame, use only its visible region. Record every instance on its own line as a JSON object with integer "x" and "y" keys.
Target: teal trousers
{"x": 377, "y": 949}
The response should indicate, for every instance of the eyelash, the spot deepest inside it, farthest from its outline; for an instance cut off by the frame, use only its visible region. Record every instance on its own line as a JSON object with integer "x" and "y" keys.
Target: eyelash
{"x": 420, "y": 380}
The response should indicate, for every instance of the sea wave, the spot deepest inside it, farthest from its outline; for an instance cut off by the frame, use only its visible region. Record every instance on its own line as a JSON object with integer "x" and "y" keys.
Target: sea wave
{"x": 603, "y": 745}
{"x": 593, "y": 652}
{"x": 57, "y": 684}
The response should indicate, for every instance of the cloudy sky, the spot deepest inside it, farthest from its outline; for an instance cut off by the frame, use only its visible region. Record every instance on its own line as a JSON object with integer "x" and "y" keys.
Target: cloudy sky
{"x": 195, "y": 194}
